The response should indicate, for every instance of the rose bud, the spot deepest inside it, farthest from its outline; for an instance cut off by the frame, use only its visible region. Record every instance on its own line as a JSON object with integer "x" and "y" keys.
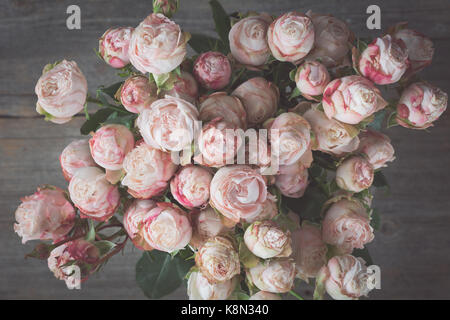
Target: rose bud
{"x": 269, "y": 211}
{"x": 212, "y": 70}
{"x": 166, "y": 7}
{"x": 199, "y": 288}
{"x": 332, "y": 37}
{"x": 291, "y": 37}
{"x": 218, "y": 144}
{"x": 190, "y": 186}
{"x": 276, "y": 276}
{"x": 206, "y": 224}
{"x": 167, "y": 228}
{"x": 185, "y": 87}
{"x": 75, "y": 156}
{"x": 309, "y": 250}
{"x": 169, "y": 124}
{"x": 352, "y": 99}
{"x": 260, "y": 99}
{"x": 266, "y": 240}
{"x": 221, "y": 105}
{"x": 377, "y": 147}
{"x": 110, "y": 144}
{"x": 248, "y": 40}
{"x": 78, "y": 255}
{"x": 264, "y": 295}
{"x": 331, "y": 136}
{"x": 420, "y": 105}
{"x": 133, "y": 221}
{"x": 346, "y": 225}
{"x": 292, "y": 180}
{"x": 218, "y": 260}
{"x": 113, "y": 46}
{"x": 93, "y": 195}
{"x": 137, "y": 93}
{"x": 61, "y": 91}
{"x": 344, "y": 278}
{"x": 384, "y": 61}
{"x": 45, "y": 215}
{"x": 147, "y": 171}
{"x": 311, "y": 79}
{"x": 290, "y": 137}
{"x": 238, "y": 192}
{"x": 157, "y": 45}
{"x": 354, "y": 174}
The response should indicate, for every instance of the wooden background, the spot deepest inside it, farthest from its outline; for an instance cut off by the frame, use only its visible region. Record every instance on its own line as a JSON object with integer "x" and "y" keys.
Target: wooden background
{"x": 412, "y": 247}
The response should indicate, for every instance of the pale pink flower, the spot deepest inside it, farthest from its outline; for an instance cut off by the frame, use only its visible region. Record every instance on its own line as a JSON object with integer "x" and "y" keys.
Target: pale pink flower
{"x": 190, "y": 186}
{"x": 221, "y": 105}
{"x": 206, "y": 224}
{"x": 311, "y": 79}
{"x": 199, "y": 288}
{"x": 292, "y": 180}
{"x": 355, "y": 174}
{"x": 113, "y": 46}
{"x": 133, "y": 221}
{"x": 185, "y": 87}
{"x": 269, "y": 211}
{"x": 275, "y": 275}
{"x": 137, "y": 93}
{"x": 377, "y": 147}
{"x": 75, "y": 155}
{"x": 264, "y": 295}
{"x": 212, "y": 70}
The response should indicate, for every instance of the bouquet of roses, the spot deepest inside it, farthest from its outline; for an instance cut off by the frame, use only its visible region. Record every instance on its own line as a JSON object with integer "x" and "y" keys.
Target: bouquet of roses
{"x": 244, "y": 169}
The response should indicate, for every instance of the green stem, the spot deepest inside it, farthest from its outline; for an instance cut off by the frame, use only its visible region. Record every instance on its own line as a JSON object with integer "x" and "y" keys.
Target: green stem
{"x": 296, "y": 295}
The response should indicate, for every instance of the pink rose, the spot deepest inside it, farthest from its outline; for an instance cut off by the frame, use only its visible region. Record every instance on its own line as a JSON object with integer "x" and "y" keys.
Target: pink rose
{"x": 45, "y": 215}
{"x": 221, "y": 105}
{"x": 264, "y": 295}
{"x": 292, "y": 180}
{"x": 269, "y": 211}
{"x": 377, "y": 147}
{"x": 257, "y": 151}
{"x": 147, "y": 171}
{"x": 346, "y": 225}
{"x": 351, "y": 99}
{"x": 157, "y": 45}
{"x": 75, "y": 156}
{"x": 61, "y": 91}
{"x": 260, "y": 98}
{"x": 93, "y": 195}
{"x": 212, "y": 70}
{"x": 384, "y": 61}
{"x": 133, "y": 221}
{"x": 206, "y": 224}
{"x": 238, "y": 192}
{"x": 275, "y": 275}
{"x": 169, "y": 124}
{"x": 167, "y": 228}
{"x": 420, "y": 105}
{"x": 355, "y": 174}
{"x": 113, "y": 46}
{"x": 248, "y": 40}
{"x": 137, "y": 93}
{"x": 185, "y": 87}
{"x": 199, "y": 288}
{"x": 311, "y": 79}
{"x": 110, "y": 144}
{"x": 291, "y": 37}
{"x": 190, "y": 186}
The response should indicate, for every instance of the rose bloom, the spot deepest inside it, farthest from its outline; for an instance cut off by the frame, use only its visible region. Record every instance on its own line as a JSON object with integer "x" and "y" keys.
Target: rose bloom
{"x": 269, "y": 211}
{"x": 81, "y": 251}
{"x": 355, "y": 174}
{"x": 292, "y": 180}
{"x": 420, "y": 105}
{"x": 345, "y": 277}
{"x": 147, "y": 171}
{"x": 61, "y": 91}
{"x": 199, "y": 288}
{"x": 238, "y": 192}
{"x": 206, "y": 224}
{"x": 185, "y": 87}
{"x": 218, "y": 260}
{"x": 190, "y": 186}
{"x": 377, "y": 147}
{"x": 221, "y": 105}
{"x": 93, "y": 195}
{"x": 291, "y": 37}
{"x": 110, "y": 144}
{"x": 276, "y": 276}
{"x": 157, "y": 45}
{"x": 133, "y": 221}
{"x": 137, "y": 93}
{"x": 290, "y": 137}
{"x": 346, "y": 225}
{"x": 331, "y": 136}
{"x": 267, "y": 240}
{"x": 75, "y": 155}
{"x": 260, "y": 99}
{"x": 351, "y": 99}
{"x": 167, "y": 228}
{"x": 248, "y": 40}
{"x": 384, "y": 61}
{"x": 212, "y": 70}
{"x": 45, "y": 215}
{"x": 311, "y": 79}
{"x": 113, "y": 46}
{"x": 257, "y": 151}
{"x": 264, "y": 295}
{"x": 169, "y": 124}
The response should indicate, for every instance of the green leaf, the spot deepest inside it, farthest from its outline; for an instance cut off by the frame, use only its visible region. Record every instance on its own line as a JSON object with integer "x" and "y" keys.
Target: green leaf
{"x": 285, "y": 222}
{"x": 126, "y": 120}
{"x": 110, "y": 90}
{"x": 221, "y": 20}
{"x": 90, "y": 236}
{"x": 392, "y": 120}
{"x": 95, "y": 120}
{"x": 247, "y": 258}
{"x": 295, "y": 93}
{"x": 377, "y": 123}
{"x": 41, "y": 251}
{"x": 158, "y": 274}
{"x": 292, "y": 74}
{"x": 375, "y": 220}
{"x": 201, "y": 43}
{"x": 104, "y": 246}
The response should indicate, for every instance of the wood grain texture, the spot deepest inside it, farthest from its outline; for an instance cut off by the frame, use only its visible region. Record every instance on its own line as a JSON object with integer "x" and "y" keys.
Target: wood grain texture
{"x": 412, "y": 247}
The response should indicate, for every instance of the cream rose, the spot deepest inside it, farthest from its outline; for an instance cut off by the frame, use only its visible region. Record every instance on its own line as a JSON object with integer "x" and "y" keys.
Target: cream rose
{"x": 269, "y": 211}
{"x": 199, "y": 288}
{"x": 137, "y": 93}
{"x": 221, "y": 105}
{"x": 206, "y": 224}
{"x": 185, "y": 87}
{"x": 355, "y": 174}
{"x": 75, "y": 155}
{"x": 190, "y": 186}
{"x": 114, "y": 45}
{"x": 264, "y": 295}
{"x": 292, "y": 180}
{"x": 212, "y": 70}
{"x": 275, "y": 276}
{"x": 311, "y": 79}
{"x": 133, "y": 221}
{"x": 377, "y": 147}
